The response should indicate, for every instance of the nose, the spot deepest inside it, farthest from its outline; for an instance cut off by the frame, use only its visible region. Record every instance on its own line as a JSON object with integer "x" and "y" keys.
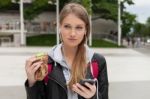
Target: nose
{"x": 73, "y": 32}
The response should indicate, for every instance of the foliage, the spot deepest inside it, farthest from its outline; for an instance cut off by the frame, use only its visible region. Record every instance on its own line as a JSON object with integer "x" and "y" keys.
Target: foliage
{"x": 148, "y": 27}
{"x": 35, "y": 8}
{"x": 5, "y": 4}
{"x": 137, "y": 27}
{"x": 129, "y": 2}
{"x": 148, "y": 22}
{"x": 142, "y": 29}
{"x": 128, "y": 21}
{"x": 107, "y": 10}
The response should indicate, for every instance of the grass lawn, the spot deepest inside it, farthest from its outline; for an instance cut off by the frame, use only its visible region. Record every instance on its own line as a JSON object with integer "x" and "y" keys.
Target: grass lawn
{"x": 50, "y": 40}
{"x": 104, "y": 43}
{"x": 41, "y": 40}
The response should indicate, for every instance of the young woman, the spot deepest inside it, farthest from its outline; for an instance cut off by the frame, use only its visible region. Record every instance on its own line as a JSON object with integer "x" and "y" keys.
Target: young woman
{"x": 71, "y": 61}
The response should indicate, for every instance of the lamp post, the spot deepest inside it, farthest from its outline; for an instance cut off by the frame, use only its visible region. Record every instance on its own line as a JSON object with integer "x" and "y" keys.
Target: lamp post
{"x": 23, "y": 40}
{"x": 57, "y": 16}
{"x": 57, "y": 20}
{"x": 90, "y": 17}
{"x": 90, "y": 36}
{"x": 119, "y": 23}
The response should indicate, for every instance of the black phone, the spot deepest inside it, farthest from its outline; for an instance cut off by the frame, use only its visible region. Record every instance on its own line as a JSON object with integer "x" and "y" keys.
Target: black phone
{"x": 90, "y": 81}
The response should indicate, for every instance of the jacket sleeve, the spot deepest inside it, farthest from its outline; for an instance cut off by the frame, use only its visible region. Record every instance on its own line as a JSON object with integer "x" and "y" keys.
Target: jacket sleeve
{"x": 102, "y": 77}
{"x": 37, "y": 91}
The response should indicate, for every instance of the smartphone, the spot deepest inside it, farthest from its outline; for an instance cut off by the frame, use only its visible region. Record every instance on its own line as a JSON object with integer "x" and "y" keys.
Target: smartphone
{"x": 90, "y": 81}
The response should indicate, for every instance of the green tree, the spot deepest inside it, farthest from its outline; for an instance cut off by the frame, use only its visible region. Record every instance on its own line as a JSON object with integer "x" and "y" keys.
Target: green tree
{"x": 142, "y": 29}
{"x": 128, "y": 21}
{"x": 148, "y": 26}
{"x": 138, "y": 29}
{"x": 35, "y": 9}
{"x": 129, "y": 2}
{"x": 104, "y": 8}
{"x": 145, "y": 31}
{"x": 148, "y": 21}
{"x": 5, "y": 4}
{"x": 88, "y": 5}
{"x": 107, "y": 9}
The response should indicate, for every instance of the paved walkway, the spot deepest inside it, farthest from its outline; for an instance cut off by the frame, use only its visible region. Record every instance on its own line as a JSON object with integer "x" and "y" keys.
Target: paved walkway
{"x": 128, "y": 71}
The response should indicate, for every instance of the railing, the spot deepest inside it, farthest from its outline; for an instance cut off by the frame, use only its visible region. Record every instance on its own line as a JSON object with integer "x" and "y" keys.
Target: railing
{"x": 9, "y": 26}
{"x": 31, "y": 27}
{"x": 110, "y": 37}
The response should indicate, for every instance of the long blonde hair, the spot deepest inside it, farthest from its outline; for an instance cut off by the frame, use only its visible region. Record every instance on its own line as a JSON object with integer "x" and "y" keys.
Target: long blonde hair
{"x": 78, "y": 67}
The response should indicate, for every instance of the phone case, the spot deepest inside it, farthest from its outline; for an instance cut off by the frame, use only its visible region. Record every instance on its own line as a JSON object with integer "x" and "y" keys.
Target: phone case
{"x": 91, "y": 81}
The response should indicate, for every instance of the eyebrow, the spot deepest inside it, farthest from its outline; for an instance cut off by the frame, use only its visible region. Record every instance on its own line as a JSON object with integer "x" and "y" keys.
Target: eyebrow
{"x": 76, "y": 25}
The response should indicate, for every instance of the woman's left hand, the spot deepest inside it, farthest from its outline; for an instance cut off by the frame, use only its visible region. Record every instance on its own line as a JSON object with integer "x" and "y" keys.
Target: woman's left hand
{"x": 83, "y": 91}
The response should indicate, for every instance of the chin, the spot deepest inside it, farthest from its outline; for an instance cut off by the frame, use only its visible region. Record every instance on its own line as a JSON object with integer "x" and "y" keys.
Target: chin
{"x": 72, "y": 44}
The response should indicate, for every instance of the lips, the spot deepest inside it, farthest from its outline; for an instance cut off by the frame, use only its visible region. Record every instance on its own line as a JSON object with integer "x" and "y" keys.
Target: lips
{"x": 72, "y": 39}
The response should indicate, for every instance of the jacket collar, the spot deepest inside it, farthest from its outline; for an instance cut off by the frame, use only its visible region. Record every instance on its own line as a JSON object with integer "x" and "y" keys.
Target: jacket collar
{"x": 57, "y": 56}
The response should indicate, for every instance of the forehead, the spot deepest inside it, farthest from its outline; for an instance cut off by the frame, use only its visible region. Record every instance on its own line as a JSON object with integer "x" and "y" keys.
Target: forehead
{"x": 73, "y": 20}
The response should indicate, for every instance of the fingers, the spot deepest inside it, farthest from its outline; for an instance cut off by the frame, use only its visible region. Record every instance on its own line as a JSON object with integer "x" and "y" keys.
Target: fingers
{"x": 30, "y": 61}
{"x": 83, "y": 91}
{"x": 78, "y": 89}
{"x": 33, "y": 68}
{"x": 32, "y": 65}
{"x": 91, "y": 87}
{"x": 82, "y": 88}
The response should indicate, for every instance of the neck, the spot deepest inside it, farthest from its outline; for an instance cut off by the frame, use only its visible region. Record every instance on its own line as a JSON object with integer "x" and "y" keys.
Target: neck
{"x": 69, "y": 53}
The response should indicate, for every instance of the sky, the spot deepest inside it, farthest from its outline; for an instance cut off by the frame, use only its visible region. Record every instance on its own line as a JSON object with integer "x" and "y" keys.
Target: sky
{"x": 141, "y": 8}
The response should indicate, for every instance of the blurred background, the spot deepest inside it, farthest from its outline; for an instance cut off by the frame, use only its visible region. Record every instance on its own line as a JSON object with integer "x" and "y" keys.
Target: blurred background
{"x": 120, "y": 32}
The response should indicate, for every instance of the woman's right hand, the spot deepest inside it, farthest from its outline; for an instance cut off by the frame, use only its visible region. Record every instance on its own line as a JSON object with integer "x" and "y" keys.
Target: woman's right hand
{"x": 32, "y": 65}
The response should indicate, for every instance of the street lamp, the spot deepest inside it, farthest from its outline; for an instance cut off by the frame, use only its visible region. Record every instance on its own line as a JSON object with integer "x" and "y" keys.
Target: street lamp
{"x": 57, "y": 15}
{"x": 22, "y": 32}
{"x": 23, "y": 40}
{"x": 57, "y": 19}
{"x": 90, "y": 36}
{"x": 119, "y": 23}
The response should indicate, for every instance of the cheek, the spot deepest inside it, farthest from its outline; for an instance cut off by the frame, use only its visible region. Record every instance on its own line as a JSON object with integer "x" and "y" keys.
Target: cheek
{"x": 81, "y": 37}
{"x": 63, "y": 33}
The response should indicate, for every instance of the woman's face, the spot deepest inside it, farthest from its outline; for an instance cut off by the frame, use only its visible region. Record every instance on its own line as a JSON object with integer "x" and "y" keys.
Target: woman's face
{"x": 72, "y": 30}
